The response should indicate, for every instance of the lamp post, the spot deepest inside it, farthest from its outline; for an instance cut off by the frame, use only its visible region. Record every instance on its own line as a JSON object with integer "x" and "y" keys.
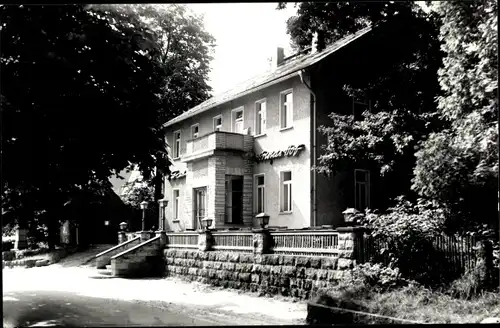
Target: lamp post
{"x": 163, "y": 204}
{"x": 205, "y": 238}
{"x": 262, "y": 219}
{"x": 350, "y": 215}
{"x": 144, "y": 207}
{"x": 261, "y": 237}
{"x": 206, "y": 223}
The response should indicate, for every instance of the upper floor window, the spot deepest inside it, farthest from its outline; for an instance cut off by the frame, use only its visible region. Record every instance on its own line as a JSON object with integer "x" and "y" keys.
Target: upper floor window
{"x": 286, "y": 191}
{"x": 361, "y": 189}
{"x": 218, "y": 123}
{"x": 259, "y": 193}
{"x": 360, "y": 105}
{"x": 260, "y": 117}
{"x": 237, "y": 120}
{"x": 177, "y": 144}
{"x": 286, "y": 109}
{"x": 194, "y": 131}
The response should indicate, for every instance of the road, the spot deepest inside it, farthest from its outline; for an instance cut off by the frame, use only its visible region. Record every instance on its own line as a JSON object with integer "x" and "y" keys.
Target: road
{"x": 56, "y": 308}
{"x": 69, "y": 295}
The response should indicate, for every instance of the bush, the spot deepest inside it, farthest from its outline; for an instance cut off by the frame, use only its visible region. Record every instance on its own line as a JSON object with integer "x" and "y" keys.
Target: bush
{"x": 404, "y": 237}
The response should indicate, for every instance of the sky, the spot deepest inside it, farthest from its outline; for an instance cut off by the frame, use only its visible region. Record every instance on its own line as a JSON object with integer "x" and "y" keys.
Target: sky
{"x": 246, "y": 35}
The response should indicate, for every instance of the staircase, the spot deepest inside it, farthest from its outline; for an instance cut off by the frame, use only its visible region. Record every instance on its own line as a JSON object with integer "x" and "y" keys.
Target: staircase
{"x": 138, "y": 257}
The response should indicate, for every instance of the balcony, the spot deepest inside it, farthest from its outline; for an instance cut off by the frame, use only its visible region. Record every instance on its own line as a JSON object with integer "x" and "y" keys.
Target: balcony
{"x": 206, "y": 145}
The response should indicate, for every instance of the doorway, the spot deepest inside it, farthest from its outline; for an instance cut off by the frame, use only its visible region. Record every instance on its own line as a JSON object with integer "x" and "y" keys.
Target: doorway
{"x": 234, "y": 199}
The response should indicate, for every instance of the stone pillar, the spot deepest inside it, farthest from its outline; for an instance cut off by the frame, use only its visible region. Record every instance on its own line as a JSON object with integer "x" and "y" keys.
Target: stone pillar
{"x": 163, "y": 237}
{"x": 205, "y": 241}
{"x": 122, "y": 237}
{"x": 21, "y": 241}
{"x": 145, "y": 235}
{"x": 262, "y": 241}
{"x": 350, "y": 245}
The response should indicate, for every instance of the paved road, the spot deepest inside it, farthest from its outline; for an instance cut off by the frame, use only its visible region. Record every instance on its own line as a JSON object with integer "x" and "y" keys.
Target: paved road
{"x": 68, "y": 294}
{"x": 55, "y": 308}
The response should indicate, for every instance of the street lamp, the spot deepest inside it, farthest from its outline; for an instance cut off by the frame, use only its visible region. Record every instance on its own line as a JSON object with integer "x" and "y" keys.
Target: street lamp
{"x": 262, "y": 219}
{"x": 123, "y": 226}
{"x": 163, "y": 204}
{"x": 350, "y": 215}
{"x": 206, "y": 223}
{"x": 144, "y": 206}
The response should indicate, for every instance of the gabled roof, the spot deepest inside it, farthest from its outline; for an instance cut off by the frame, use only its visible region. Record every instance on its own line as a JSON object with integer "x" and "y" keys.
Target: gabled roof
{"x": 284, "y": 71}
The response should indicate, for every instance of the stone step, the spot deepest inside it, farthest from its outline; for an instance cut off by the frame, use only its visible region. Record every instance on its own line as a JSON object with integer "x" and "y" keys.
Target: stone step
{"x": 105, "y": 272}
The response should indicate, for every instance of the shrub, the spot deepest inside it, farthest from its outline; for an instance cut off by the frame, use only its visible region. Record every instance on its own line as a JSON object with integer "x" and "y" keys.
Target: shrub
{"x": 404, "y": 238}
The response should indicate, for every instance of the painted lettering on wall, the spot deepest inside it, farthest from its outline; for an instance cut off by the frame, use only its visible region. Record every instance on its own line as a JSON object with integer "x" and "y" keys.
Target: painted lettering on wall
{"x": 291, "y": 151}
{"x": 177, "y": 175}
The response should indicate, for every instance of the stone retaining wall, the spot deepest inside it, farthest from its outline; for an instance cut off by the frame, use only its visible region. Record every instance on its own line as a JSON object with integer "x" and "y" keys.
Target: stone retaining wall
{"x": 104, "y": 258}
{"x": 141, "y": 260}
{"x": 287, "y": 275}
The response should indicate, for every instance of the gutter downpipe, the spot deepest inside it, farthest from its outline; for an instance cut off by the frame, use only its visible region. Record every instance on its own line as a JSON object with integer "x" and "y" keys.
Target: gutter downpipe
{"x": 314, "y": 152}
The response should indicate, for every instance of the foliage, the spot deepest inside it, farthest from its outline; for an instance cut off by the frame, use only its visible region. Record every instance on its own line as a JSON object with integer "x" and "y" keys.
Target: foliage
{"x": 459, "y": 165}
{"x": 138, "y": 192}
{"x": 384, "y": 142}
{"x": 404, "y": 235}
{"x": 85, "y": 92}
{"x": 375, "y": 277}
{"x": 401, "y": 85}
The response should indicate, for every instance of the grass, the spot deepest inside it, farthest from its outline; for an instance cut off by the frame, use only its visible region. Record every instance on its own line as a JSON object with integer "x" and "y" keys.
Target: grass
{"x": 423, "y": 305}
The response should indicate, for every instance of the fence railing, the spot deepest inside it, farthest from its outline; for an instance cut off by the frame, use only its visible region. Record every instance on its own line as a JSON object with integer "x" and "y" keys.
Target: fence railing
{"x": 182, "y": 240}
{"x": 458, "y": 253}
{"x": 321, "y": 243}
{"x": 233, "y": 241}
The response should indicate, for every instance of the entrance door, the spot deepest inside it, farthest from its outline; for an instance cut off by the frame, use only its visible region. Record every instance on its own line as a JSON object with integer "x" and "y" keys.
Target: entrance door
{"x": 200, "y": 197}
{"x": 234, "y": 199}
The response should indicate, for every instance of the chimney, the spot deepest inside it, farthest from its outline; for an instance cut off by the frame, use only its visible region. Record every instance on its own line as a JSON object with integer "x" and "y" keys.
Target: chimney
{"x": 278, "y": 57}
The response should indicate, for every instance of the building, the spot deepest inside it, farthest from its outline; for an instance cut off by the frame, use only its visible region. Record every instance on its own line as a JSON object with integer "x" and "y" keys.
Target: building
{"x": 252, "y": 148}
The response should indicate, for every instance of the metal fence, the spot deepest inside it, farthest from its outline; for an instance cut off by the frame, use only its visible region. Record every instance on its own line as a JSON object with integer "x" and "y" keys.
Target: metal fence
{"x": 451, "y": 253}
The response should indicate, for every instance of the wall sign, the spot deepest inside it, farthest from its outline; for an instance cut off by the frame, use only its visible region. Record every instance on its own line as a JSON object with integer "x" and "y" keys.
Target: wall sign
{"x": 177, "y": 175}
{"x": 291, "y": 151}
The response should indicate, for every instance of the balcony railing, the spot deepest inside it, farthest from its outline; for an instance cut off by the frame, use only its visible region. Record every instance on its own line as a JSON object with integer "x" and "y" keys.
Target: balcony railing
{"x": 205, "y": 145}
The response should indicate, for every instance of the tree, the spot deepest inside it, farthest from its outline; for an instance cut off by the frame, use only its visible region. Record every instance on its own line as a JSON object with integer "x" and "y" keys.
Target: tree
{"x": 383, "y": 142}
{"x": 184, "y": 55}
{"x": 402, "y": 86}
{"x": 81, "y": 99}
{"x": 459, "y": 165}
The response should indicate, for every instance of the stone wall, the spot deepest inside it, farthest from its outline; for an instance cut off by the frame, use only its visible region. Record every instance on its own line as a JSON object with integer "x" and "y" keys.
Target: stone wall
{"x": 140, "y": 261}
{"x": 287, "y": 275}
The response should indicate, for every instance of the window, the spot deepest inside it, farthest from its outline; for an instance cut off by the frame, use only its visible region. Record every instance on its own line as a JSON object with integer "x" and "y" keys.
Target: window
{"x": 234, "y": 199}
{"x": 218, "y": 123}
{"x": 177, "y": 144}
{"x": 194, "y": 131}
{"x": 286, "y": 191}
{"x": 176, "y": 204}
{"x": 260, "y": 117}
{"x": 260, "y": 197}
{"x": 361, "y": 189}
{"x": 360, "y": 105}
{"x": 286, "y": 109}
{"x": 237, "y": 120}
